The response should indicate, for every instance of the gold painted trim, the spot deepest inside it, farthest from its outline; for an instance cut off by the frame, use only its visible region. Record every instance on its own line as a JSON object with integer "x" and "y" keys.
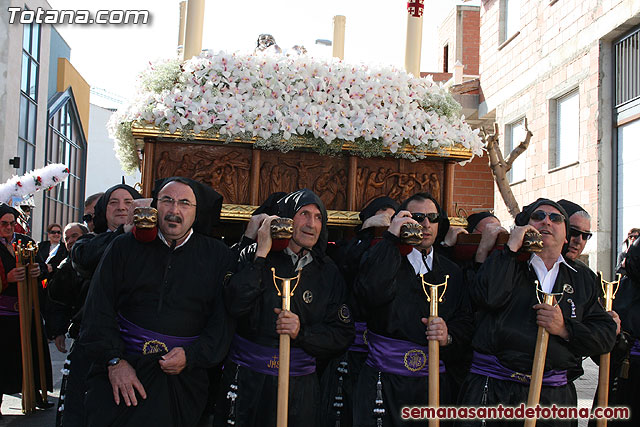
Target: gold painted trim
{"x": 232, "y": 212}
{"x": 456, "y": 152}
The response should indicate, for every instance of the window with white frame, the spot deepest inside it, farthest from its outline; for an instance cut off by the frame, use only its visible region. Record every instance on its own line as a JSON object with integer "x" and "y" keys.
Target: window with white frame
{"x": 514, "y": 135}
{"x": 565, "y": 130}
{"x": 510, "y": 19}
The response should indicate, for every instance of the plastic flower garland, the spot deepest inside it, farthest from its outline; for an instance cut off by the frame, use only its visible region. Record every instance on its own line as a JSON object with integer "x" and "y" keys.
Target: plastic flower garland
{"x": 23, "y": 187}
{"x": 282, "y": 100}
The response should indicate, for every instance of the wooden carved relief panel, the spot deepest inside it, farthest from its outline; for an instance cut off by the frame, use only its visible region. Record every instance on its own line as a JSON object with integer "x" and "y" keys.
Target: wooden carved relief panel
{"x": 225, "y": 168}
{"x": 398, "y": 179}
{"x": 229, "y": 170}
{"x": 326, "y": 176}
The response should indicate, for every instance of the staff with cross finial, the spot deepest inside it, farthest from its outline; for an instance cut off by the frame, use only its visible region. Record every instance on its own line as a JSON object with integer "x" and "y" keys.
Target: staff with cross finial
{"x": 33, "y": 284}
{"x": 25, "y": 310}
{"x": 286, "y": 293}
{"x": 434, "y": 296}
{"x": 609, "y": 289}
{"x": 540, "y": 355}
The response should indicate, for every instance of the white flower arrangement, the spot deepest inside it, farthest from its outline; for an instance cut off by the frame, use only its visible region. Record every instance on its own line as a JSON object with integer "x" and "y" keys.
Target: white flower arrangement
{"x": 281, "y": 100}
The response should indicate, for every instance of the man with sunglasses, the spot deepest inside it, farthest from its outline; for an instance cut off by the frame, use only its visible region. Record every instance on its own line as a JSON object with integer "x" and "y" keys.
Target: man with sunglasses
{"x": 579, "y": 229}
{"x": 89, "y": 209}
{"x": 389, "y": 287}
{"x": 507, "y": 292}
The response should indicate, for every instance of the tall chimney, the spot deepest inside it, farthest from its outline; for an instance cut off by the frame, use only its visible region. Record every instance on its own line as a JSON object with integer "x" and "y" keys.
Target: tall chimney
{"x": 339, "y": 22}
{"x": 413, "y": 48}
{"x": 183, "y": 17}
{"x": 194, "y": 24}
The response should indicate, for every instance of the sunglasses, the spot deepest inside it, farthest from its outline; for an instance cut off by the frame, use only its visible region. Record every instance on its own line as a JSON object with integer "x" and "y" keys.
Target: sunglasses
{"x": 553, "y": 217}
{"x": 433, "y": 217}
{"x": 87, "y": 218}
{"x": 55, "y": 232}
{"x": 574, "y": 232}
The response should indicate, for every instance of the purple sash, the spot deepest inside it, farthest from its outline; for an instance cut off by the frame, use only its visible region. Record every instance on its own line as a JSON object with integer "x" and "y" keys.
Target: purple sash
{"x": 398, "y": 357}
{"x": 8, "y": 306}
{"x": 360, "y": 343}
{"x": 489, "y": 365}
{"x": 138, "y": 340}
{"x": 265, "y": 359}
{"x": 635, "y": 349}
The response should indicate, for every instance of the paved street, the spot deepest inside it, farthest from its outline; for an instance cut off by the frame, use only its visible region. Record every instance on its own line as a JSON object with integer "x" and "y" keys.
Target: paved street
{"x": 12, "y": 416}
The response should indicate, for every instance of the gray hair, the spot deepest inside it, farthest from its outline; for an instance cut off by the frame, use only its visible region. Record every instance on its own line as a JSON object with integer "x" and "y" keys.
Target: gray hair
{"x": 583, "y": 214}
{"x": 83, "y": 228}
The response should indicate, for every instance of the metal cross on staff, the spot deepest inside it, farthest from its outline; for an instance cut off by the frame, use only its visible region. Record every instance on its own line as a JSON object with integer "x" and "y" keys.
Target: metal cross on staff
{"x": 609, "y": 289}
{"x": 542, "y": 341}
{"x": 434, "y": 296}
{"x": 285, "y": 346}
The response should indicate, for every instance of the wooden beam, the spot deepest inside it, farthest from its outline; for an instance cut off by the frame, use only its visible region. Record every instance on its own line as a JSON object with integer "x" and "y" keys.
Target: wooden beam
{"x": 147, "y": 168}
{"x": 351, "y": 183}
{"x": 447, "y": 190}
{"x": 255, "y": 177}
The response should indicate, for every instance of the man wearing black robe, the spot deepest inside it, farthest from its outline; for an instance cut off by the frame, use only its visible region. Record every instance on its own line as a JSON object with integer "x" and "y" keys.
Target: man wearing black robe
{"x": 396, "y": 373}
{"x": 510, "y": 313}
{"x": 624, "y": 372}
{"x": 155, "y": 318}
{"x": 340, "y": 376}
{"x": 319, "y": 322}
{"x": 111, "y": 212}
{"x": 10, "y": 274}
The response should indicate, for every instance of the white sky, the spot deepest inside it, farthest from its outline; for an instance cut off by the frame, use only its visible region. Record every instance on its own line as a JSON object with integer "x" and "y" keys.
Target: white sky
{"x": 111, "y": 56}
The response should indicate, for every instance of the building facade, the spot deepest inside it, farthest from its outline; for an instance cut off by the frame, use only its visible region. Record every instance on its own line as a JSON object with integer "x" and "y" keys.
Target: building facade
{"x": 572, "y": 69}
{"x": 44, "y": 114}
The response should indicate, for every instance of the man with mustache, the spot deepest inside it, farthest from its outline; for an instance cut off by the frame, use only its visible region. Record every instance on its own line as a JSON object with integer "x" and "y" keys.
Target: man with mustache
{"x": 155, "y": 318}
{"x": 389, "y": 288}
{"x": 319, "y": 322}
{"x": 509, "y": 314}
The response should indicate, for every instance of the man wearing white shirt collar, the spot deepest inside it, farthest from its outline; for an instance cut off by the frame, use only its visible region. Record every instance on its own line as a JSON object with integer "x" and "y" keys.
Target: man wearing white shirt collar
{"x": 390, "y": 289}
{"x": 506, "y": 294}
{"x": 552, "y": 225}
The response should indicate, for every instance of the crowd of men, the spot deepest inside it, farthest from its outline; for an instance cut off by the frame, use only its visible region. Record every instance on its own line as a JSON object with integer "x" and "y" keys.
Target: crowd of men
{"x": 172, "y": 327}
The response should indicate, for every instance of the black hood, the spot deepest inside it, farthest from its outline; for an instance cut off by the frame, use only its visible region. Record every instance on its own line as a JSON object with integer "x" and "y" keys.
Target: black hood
{"x": 100, "y": 211}
{"x": 5, "y": 209}
{"x": 570, "y": 207}
{"x": 374, "y": 206}
{"x": 290, "y": 204}
{"x": 443, "y": 223}
{"x": 270, "y": 206}
{"x": 208, "y": 203}
{"x": 474, "y": 219}
{"x": 523, "y": 217}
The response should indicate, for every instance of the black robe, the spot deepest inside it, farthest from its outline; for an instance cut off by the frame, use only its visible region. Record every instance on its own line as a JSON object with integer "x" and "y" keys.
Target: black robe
{"x": 11, "y": 353}
{"x": 68, "y": 291}
{"x": 61, "y": 254}
{"x": 395, "y": 302}
{"x": 504, "y": 292}
{"x": 624, "y": 386}
{"x": 251, "y": 297}
{"x": 172, "y": 292}
{"x": 339, "y": 375}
